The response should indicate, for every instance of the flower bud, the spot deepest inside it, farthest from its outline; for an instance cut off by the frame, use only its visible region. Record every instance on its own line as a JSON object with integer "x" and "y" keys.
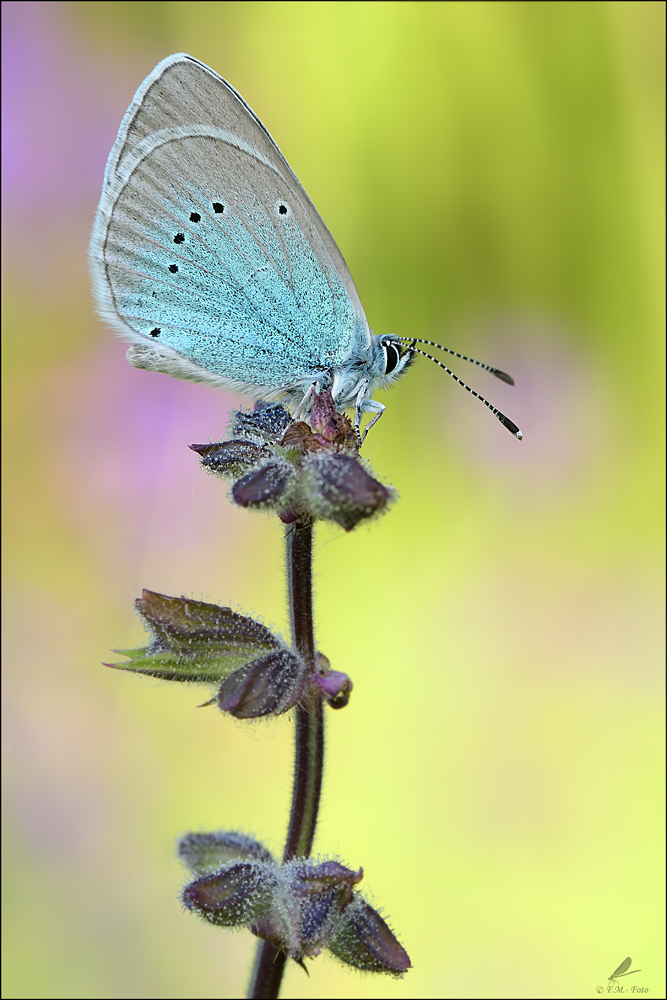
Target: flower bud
{"x": 301, "y": 907}
{"x": 265, "y": 486}
{"x": 304, "y": 471}
{"x": 335, "y": 686}
{"x": 267, "y": 422}
{"x": 268, "y": 686}
{"x": 329, "y": 424}
{"x": 364, "y": 940}
{"x": 339, "y": 489}
{"x": 203, "y": 852}
{"x": 308, "y": 905}
{"x": 237, "y": 894}
{"x": 328, "y": 429}
{"x": 324, "y": 890}
{"x": 230, "y": 458}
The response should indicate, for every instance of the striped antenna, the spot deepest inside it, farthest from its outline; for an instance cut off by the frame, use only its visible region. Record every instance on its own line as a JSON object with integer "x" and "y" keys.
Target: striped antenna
{"x": 487, "y": 368}
{"x": 505, "y": 421}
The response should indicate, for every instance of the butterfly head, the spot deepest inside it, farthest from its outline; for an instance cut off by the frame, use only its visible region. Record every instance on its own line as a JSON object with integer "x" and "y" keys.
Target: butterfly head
{"x": 395, "y": 359}
{"x": 377, "y": 367}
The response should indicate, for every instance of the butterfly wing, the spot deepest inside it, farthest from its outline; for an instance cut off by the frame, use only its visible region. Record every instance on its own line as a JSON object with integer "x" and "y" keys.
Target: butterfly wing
{"x": 206, "y": 250}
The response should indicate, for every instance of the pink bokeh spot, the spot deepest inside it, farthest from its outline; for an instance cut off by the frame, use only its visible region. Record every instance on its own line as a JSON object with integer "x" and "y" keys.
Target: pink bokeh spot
{"x": 61, "y": 111}
{"x": 131, "y": 430}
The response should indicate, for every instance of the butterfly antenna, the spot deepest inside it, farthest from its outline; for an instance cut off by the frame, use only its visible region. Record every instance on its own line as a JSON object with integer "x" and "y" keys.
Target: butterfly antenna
{"x": 505, "y": 421}
{"x": 503, "y": 376}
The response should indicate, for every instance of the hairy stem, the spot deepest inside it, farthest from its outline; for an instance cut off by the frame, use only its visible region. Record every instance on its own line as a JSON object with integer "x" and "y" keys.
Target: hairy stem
{"x": 309, "y": 737}
{"x": 267, "y": 972}
{"x": 309, "y": 742}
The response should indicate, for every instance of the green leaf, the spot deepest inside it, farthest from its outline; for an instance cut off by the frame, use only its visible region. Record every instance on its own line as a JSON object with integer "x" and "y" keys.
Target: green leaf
{"x": 171, "y": 666}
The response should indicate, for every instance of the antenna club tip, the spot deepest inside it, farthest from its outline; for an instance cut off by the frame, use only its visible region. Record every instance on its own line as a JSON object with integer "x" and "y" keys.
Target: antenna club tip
{"x": 519, "y": 436}
{"x": 503, "y": 376}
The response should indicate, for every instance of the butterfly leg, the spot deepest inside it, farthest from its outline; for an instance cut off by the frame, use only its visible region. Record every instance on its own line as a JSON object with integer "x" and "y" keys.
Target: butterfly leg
{"x": 362, "y": 406}
{"x": 379, "y": 409}
{"x": 359, "y": 411}
{"x": 300, "y": 411}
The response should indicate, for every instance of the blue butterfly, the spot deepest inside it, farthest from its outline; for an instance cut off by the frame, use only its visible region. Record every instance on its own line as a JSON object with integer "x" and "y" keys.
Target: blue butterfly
{"x": 209, "y": 257}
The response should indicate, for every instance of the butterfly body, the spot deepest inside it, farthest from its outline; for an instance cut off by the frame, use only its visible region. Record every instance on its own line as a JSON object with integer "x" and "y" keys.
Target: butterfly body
{"x": 209, "y": 257}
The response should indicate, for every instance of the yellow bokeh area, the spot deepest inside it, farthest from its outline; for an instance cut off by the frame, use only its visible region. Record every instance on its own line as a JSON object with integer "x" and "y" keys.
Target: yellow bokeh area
{"x": 493, "y": 174}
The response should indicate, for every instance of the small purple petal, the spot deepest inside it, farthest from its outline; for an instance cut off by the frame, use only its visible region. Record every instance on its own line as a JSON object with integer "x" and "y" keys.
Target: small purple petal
{"x": 336, "y": 687}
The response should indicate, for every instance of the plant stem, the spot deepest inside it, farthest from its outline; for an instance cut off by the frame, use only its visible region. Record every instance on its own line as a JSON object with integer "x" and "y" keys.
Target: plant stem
{"x": 309, "y": 742}
{"x": 309, "y": 736}
{"x": 267, "y": 972}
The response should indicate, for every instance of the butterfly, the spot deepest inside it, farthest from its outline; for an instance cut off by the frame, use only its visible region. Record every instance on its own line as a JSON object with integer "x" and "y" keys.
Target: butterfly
{"x": 209, "y": 257}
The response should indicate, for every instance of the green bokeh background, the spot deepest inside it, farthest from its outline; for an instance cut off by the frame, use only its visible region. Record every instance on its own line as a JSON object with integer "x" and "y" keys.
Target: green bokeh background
{"x": 493, "y": 174}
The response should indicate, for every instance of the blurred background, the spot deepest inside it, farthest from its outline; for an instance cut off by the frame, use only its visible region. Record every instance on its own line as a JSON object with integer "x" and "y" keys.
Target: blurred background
{"x": 493, "y": 174}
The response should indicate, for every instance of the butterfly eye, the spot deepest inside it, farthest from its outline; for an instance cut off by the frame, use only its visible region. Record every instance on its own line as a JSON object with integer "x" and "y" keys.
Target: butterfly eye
{"x": 392, "y": 356}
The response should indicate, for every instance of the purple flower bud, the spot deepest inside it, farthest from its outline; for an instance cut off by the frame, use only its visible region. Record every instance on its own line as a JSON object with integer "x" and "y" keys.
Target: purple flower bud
{"x": 266, "y": 423}
{"x": 230, "y": 458}
{"x": 301, "y": 907}
{"x": 336, "y": 687}
{"x": 301, "y": 471}
{"x": 364, "y": 940}
{"x": 328, "y": 430}
{"x": 340, "y": 489}
{"x": 265, "y": 486}
{"x": 323, "y": 892}
{"x": 237, "y": 894}
{"x": 202, "y": 852}
{"x": 308, "y": 907}
{"x": 329, "y": 424}
{"x": 268, "y": 686}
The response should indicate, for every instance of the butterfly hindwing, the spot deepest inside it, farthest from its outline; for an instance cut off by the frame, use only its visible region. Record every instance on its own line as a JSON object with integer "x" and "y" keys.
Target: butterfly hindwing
{"x": 205, "y": 235}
